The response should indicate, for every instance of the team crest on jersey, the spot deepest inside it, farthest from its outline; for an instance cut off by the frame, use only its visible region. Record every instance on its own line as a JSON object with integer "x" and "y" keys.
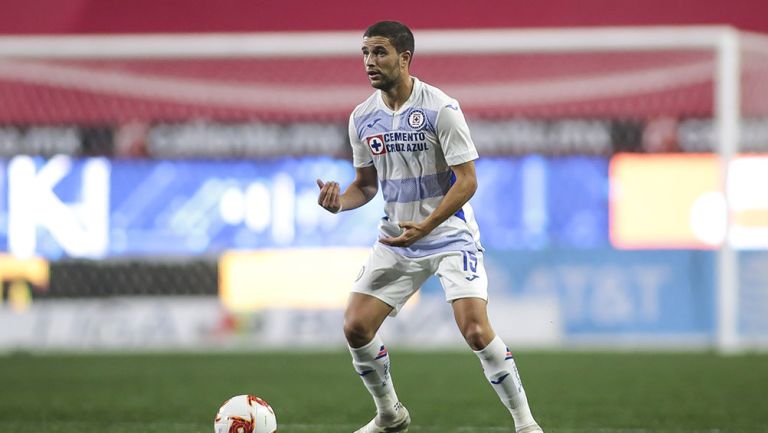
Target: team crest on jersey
{"x": 376, "y": 143}
{"x": 416, "y": 119}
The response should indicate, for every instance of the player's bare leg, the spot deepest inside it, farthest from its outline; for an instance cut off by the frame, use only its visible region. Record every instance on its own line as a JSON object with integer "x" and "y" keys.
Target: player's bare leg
{"x": 472, "y": 319}
{"x": 362, "y": 319}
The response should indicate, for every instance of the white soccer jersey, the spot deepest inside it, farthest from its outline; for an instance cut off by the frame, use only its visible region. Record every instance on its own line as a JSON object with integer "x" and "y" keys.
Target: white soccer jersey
{"x": 413, "y": 150}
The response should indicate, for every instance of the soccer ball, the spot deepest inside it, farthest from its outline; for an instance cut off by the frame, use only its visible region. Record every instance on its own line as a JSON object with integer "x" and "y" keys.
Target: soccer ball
{"x": 245, "y": 414}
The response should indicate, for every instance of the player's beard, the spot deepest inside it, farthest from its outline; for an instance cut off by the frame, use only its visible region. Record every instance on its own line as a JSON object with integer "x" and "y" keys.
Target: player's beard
{"x": 386, "y": 83}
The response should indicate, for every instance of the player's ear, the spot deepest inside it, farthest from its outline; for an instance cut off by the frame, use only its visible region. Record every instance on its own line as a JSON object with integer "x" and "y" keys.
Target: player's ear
{"x": 405, "y": 59}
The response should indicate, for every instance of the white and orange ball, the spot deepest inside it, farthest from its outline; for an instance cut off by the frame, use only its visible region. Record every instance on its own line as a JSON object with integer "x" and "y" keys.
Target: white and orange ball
{"x": 245, "y": 414}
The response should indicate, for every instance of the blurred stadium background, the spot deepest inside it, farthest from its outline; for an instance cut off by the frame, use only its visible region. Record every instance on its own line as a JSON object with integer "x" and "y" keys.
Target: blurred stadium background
{"x": 158, "y": 166}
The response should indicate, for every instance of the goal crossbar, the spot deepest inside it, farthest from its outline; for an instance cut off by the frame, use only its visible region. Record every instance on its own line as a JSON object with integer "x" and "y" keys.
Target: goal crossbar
{"x": 318, "y": 44}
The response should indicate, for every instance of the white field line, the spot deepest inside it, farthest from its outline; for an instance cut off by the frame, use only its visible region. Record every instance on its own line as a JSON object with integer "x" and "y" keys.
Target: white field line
{"x": 309, "y": 98}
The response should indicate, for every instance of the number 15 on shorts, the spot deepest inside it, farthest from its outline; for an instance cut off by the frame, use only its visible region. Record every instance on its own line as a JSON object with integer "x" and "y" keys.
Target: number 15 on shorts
{"x": 470, "y": 264}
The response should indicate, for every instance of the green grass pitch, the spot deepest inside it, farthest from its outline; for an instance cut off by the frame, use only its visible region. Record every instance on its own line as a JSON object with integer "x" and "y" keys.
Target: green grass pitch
{"x": 446, "y": 392}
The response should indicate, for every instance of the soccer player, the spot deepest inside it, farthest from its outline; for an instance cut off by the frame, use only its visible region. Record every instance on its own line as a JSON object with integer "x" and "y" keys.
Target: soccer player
{"x": 412, "y": 139}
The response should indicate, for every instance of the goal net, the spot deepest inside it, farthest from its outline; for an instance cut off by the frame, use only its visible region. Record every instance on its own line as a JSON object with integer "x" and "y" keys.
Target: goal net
{"x": 672, "y": 108}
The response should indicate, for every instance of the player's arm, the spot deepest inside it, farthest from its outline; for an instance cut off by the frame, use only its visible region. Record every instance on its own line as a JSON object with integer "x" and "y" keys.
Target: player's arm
{"x": 363, "y": 188}
{"x": 359, "y": 192}
{"x": 459, "y": 194}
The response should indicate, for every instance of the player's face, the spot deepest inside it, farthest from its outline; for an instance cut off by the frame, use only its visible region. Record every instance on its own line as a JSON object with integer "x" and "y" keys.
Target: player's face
{"x": 383, "y": 64}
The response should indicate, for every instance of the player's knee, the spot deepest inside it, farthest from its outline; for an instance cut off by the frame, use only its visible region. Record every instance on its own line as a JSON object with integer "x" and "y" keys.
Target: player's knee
{"x": 476, "y": 335}
{"x": 358, "y": 333}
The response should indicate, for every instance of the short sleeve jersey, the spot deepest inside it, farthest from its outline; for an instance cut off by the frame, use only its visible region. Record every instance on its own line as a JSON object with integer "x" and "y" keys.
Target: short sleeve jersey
{"x": 413, "y": 150}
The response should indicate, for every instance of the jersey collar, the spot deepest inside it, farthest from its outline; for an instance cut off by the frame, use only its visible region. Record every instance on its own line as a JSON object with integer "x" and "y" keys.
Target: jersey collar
{"x": 408, "y": 102}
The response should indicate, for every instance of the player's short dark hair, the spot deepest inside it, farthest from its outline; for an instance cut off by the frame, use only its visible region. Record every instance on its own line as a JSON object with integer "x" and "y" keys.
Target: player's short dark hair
{"x": 399, "y": 35}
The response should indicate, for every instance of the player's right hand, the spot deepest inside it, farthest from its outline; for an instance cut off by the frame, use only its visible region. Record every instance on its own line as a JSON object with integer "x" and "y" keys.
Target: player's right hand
{"x": 330, "y": 196}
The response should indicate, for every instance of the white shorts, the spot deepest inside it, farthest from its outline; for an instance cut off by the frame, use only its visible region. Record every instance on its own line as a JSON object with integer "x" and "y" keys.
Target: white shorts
{"x": 394, "y": 278}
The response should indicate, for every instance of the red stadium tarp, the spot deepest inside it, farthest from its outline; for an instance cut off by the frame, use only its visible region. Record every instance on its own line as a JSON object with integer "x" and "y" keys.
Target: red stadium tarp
{"x": 138, "y": 16}
{"x": 608, "y": 85}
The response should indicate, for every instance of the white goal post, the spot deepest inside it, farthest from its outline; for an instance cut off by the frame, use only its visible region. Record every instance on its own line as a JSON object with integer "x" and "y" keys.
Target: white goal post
{"x": 726, "y": 45}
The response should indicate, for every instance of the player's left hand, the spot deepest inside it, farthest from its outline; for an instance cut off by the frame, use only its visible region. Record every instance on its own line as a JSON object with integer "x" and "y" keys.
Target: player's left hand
{"x": 412, "y": 232}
